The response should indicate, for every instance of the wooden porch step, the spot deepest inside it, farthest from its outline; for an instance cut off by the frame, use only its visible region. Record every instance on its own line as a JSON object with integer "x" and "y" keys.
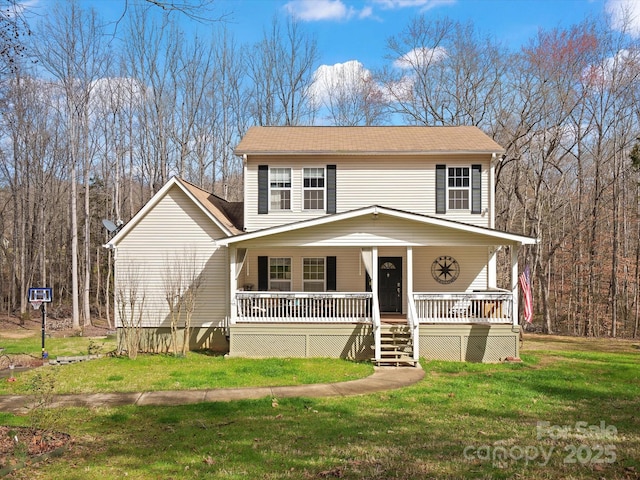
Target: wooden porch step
{"x": 396, "y": 362}
{"x": 396, "y": 345}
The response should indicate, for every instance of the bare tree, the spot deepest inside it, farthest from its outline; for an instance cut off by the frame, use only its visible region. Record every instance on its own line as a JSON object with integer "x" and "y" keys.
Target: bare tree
{"x": 70, "y": 49}
{"x": 130, "y": 302}
{"x": 173, "y": 284}
{"x": 13, "y": 35}
{"x": 281, "y": 68}
{"x": 182, "y": 282}
{"x": 350, "y": 95}
{"x": 229, "y": 120}
{"x": 443, "y": 73}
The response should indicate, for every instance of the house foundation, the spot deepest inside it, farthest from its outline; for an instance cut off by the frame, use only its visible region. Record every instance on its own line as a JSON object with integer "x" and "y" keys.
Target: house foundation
{"x": 349, "y": 341}
{"x": 469, "y": 342}
{"x": 158, "y": 339}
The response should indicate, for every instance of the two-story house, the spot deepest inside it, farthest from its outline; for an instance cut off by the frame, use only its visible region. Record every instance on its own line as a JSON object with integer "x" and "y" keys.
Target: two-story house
{"x": 354, "y": 242}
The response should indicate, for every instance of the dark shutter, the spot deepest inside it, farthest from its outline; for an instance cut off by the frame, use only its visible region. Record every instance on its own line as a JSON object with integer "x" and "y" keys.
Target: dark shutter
{"x": 441, "y": 189}
{"x": 331, "y": 189}
{"x": 263, "y": 189}
{"x": 263, "y": 274}
{"x": 332, "y": 283}
{"x": 476, "y": 188}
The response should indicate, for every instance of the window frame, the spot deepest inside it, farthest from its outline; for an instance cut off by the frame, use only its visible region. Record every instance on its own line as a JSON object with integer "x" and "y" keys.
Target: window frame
{"x": 459, "y": 188}
{"x": 322, "y": 189}
{"x": 315, "y": 281}
{"x": 274, "y": 280}
{"x": 278, "y": 188}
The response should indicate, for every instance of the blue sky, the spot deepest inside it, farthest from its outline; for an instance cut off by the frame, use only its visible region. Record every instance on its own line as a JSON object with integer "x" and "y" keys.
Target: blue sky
{"x": 358, "y": 29}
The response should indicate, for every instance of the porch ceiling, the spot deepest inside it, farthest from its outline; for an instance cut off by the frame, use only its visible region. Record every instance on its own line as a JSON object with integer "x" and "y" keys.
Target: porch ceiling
{"x": 376, "y": 226}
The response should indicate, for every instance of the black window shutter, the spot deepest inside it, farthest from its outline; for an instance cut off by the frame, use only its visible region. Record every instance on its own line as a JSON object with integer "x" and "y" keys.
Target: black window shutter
{"x": 476, "y": 188}
{"x": 263, "y": 189}
{"x": 263, "y": 274}
{"x": 441, "y": 189}
{"x": 331, "y": 189}
{"x": 332, "y": 283}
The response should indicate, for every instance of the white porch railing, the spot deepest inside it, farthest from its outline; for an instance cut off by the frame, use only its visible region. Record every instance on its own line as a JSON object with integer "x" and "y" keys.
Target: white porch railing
{"x": 304, "y": 307}
{"x": 473, "y": 307}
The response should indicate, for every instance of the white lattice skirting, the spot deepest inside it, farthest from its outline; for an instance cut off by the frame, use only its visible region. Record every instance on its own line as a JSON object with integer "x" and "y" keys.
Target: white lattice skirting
{"x": 351, "y": 341}
{"x": 470, "y": 343}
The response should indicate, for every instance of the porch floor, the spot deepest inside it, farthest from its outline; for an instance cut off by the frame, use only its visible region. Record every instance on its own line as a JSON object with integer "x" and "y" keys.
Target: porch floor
{"x": 393, "y": 318}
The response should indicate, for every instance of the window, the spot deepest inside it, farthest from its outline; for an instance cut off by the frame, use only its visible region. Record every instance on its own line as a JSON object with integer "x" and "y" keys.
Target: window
{"x": 280, "y": 183}
{"x": 313, "y": 187}
{"x": 459, "y": 187}
{"x": 280, "y": 274}
{"x": 313, "y": 274}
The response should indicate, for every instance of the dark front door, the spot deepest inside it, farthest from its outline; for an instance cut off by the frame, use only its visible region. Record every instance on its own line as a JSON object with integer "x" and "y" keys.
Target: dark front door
{"x": 390, "y": 284}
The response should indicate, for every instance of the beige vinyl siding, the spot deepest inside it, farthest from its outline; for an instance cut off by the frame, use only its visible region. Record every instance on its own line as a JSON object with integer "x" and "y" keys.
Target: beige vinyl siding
{"x": 176, "y": 228}
{"x": 253, "y": 221}
{"x": 402, "y": 182}
{"x": 351, "y": 273}
{"x": 473, "y": 269}
{"x": 371, "y": 230}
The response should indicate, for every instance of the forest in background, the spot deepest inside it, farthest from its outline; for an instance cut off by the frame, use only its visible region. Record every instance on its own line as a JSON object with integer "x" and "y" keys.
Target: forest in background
{"x": 96, "y": 117}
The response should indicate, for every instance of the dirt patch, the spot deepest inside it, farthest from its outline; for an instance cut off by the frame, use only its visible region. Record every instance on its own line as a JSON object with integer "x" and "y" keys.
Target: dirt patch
{"x": 12, "y": 327}
{"x": 20, "y": 360}
{"x": 24, "y": 445}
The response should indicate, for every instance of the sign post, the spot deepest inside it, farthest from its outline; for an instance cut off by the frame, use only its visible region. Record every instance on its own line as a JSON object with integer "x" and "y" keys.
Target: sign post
{"x": 38, "y": 298}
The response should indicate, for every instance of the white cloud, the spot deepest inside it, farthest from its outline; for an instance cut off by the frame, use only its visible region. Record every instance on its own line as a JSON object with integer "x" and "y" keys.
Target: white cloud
{"x": 366, "y": 12}
{"x": 402, "y": 90}
{"x": 420, "y": 57}
{"x": 315, "y": 10}
{"x": 611, "y": 69}
{"x": 625, "y": 16}
{"x": 346, "y": 76}
{"x": 424, "y": 5}
{"x": 116, "y": 93}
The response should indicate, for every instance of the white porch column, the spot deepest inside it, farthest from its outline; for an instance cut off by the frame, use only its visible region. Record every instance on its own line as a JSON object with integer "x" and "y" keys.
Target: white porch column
{"x": 375, "y": 310}
{"x": 492, "y": 267}
{"x": 409, "y": 288}
{"x": 233, "y": 285}
{"x": 414, "y": 323}
{"x": 514, "y": 283}
{"x": 374, "y": 271}
{"x": 492, "y": 193}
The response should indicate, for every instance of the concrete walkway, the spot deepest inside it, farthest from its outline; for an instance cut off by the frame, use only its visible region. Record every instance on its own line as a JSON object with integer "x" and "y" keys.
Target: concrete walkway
{"x": 383, "y": 378}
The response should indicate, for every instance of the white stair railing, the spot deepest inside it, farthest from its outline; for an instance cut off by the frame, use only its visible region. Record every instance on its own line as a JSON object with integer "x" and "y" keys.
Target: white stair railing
{"x": 414, "y": 328}
{"x": 376, "y": 324}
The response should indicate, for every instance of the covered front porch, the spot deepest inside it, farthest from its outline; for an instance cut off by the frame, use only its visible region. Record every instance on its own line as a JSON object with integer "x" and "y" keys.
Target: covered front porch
{"x": 356, "y": 297}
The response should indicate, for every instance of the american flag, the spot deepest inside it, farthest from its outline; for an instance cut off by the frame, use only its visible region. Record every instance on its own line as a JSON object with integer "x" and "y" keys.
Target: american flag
{"x": 525, "y": 285}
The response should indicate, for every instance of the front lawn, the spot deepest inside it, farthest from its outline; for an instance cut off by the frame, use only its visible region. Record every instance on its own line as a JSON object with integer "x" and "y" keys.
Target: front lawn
{"x": 195, "y": 371}
{"x": 568, "y": 411}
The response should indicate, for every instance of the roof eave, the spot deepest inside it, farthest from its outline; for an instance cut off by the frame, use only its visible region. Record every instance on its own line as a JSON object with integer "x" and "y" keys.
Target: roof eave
{"x": 509, "y": 238}
{"x": 127, "y": 227}
{"x": 414, "y": 153}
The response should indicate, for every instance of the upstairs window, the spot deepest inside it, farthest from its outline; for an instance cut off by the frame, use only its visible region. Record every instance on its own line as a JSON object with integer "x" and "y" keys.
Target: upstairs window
{"x": 313, "y": 274}
{"x": 280, "y": 274}
{"x": 313, "y": 188}
{"x": 280, "y": 188}
{"x": 459, "y": 187}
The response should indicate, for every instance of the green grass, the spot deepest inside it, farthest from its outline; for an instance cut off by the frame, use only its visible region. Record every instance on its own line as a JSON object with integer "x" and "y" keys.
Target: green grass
{"x": 198, "y": 370}
{"x": 421, "y": 431}
{"x": 195, "y": 371}
{"x": 30, "y": 343}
